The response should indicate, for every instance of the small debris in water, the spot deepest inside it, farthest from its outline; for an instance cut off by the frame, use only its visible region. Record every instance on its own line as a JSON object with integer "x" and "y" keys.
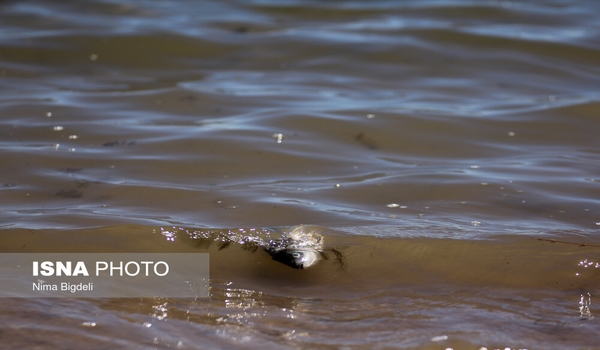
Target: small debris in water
{"x": 370, "y": 116}
{"x": 337, "y": 185}
{"x": 93, "y": 57}
{"x": 475, "y": 223}
{"x": 69, "y": 194}
{"x": 393, "y": 205}
{"x": 147, "y": 324}
{"x": 551, "y": 98}
{"x": 49, "y": 114}
{"x": 279, "y": 137}
{"x": 440, "y": 338}
{"x": 511, "y": 133}
{"x": 365, "y": 141}
{"x": 474, "y": 167}
{"x": 88, "y": 324}
{"x": 73, "y": 137}
{"x": 58, "y": 128}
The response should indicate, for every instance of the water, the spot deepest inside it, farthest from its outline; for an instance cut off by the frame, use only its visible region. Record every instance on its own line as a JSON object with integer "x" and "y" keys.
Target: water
{"x": 431, "y": 142}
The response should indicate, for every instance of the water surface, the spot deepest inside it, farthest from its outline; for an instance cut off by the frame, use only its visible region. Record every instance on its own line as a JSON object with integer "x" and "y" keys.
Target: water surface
{"x": 431, "y": 142}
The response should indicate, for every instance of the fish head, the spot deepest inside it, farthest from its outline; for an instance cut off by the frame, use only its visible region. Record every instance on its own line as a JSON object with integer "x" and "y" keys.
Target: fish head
{"x": 298, "y": 258}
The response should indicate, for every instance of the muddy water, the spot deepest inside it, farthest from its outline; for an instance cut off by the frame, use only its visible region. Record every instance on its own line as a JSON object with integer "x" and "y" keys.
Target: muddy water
{"x": 432, "y": 143}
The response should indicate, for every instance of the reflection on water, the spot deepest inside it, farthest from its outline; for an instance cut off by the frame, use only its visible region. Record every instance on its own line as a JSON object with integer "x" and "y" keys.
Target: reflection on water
{"x": 584, "y": 307}
{"x": 585, "y": 301}
{"x": 429, "y": 141}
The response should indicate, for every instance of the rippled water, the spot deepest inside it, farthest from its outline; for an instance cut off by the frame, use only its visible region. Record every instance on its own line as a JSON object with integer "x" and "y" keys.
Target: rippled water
{"x": 431, "y": 142}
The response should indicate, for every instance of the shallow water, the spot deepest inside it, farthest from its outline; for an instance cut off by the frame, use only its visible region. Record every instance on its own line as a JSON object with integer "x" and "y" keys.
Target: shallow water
{"x": 432, "y": 143}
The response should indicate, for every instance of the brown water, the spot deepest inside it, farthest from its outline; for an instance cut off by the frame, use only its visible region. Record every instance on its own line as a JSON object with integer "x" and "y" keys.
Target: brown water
{"x": 431, "y": 142}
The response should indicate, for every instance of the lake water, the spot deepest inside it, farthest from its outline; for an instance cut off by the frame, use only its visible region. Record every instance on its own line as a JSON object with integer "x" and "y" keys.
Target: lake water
{"x": 432, "y": 143}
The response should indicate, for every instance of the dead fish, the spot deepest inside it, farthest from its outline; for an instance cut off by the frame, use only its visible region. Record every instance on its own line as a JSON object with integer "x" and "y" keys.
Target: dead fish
{"x": 301, "y": 247}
